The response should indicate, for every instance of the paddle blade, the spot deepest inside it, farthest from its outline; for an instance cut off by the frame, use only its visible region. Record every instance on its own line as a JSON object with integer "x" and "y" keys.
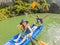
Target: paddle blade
{"x": 33, "y": 4}
{"x": 42, "y": 43}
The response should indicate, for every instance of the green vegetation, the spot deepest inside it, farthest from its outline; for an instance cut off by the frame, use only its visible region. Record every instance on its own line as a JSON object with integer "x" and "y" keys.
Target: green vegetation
{"x": 21, "y": 7}
{"x": 8, "y": 27}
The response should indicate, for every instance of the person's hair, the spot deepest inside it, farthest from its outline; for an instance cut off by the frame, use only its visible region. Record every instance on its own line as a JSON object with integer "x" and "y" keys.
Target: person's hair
{"x": 27, "y": 22}
{"x": 23, "y": 21}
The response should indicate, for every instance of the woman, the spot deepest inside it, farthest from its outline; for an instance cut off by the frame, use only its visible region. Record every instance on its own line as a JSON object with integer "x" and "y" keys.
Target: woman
{"x": 26, "y": 27}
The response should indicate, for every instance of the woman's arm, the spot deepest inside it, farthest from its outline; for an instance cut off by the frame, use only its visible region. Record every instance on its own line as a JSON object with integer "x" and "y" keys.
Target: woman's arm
{"x": 32, "y": 16}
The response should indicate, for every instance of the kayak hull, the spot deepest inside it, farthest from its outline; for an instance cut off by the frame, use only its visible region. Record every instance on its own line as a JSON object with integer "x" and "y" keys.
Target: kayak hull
{"x": 27, "y": 41}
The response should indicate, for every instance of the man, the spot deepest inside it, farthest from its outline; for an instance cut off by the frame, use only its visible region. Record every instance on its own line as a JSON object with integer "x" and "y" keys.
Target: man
{"x": 39, "y": 20}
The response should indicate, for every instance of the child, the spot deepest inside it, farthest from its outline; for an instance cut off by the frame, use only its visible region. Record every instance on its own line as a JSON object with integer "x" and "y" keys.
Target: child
{"x": 26, "y": 27}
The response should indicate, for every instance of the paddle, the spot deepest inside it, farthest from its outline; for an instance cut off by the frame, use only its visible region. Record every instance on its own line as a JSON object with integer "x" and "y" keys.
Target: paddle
{"x": 32, "y": 41}
{"x": 40, "y": 42}
{"x": 42, "y": 18}
{"x": 45, "y": 16}
{"x": 33, "y": 4}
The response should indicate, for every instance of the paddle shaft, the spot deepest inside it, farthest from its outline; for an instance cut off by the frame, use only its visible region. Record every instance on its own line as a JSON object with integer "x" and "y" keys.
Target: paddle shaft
{"x": 45, "y": 16}
{"x": 32, "y": 41}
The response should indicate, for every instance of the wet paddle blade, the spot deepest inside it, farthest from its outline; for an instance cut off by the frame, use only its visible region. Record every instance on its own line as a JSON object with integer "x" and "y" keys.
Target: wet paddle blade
{"x": 34, "y": 4}
{"x": 42, "y": 43}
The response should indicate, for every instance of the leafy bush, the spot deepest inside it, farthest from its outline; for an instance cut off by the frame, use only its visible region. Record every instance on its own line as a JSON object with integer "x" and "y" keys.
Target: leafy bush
{"x": 2, "y": 14}
{"x": 21, "y": 7}
{"x": 42, "y": 6}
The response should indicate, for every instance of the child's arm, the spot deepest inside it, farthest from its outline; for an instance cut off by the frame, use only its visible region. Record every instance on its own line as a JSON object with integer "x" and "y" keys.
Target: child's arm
{"x": 30, "y": 29}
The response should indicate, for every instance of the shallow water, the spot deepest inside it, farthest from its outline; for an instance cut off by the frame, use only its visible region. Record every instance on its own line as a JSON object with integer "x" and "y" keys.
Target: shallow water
{"x": 53, "y": 34}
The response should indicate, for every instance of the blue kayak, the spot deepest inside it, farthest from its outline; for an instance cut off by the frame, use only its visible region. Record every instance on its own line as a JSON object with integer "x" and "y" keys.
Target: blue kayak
{"x": 27, "y": 41}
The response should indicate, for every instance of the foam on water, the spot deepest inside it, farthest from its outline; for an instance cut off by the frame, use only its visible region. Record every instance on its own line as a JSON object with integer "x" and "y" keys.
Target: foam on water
{"x": 54, "y": 34}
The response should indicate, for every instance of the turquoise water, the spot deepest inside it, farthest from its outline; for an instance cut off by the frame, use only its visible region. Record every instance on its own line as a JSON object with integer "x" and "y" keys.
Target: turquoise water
{"x": 54, "y": 34}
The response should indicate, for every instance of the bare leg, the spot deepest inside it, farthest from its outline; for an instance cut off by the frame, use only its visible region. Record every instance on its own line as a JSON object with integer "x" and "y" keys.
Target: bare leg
{"x": 17, "y": 38}
{"x": 21, "y": 41}
{"x": 34, "y": 28}
{"x": 24, "y": 39}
